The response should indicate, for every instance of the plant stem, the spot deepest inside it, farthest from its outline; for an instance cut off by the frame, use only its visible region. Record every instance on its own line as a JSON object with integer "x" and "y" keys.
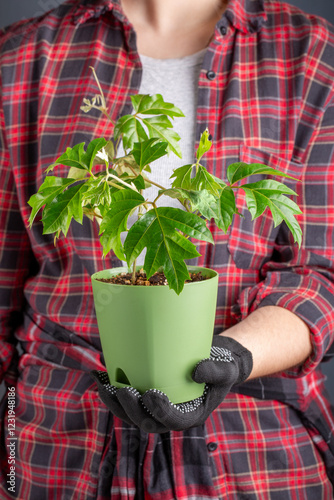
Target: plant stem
{"x": 152, "y": 182}
{"x": 102, "y": 108}
{"x": 120, "y": 181}
{"x": 105, "y": 112}
{"x": 113, "y": 184}
{"x": 133, "y": 277}
{"x": 97, "y": 215}
{"x": 140, "y": 213}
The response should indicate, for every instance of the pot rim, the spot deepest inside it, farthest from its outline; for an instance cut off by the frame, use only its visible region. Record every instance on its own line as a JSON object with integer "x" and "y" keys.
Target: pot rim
{"x": 94, "y": 277}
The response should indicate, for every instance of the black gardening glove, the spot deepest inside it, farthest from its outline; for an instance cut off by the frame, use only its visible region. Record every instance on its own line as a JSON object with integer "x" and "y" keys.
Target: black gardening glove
{"x": 229, "y": 363}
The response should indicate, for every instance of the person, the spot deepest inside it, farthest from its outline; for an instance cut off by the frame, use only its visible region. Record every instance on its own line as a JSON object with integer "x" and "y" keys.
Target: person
{"x": 259, "y": 74}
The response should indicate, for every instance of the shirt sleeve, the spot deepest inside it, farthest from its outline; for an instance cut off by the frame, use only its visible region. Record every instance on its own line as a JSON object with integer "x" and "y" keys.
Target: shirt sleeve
{"x": 15, "y": 257}
{"x": 302, "y": 280}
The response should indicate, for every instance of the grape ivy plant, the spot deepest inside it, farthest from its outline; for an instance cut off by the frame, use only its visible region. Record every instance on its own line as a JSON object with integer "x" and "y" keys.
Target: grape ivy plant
{"x": 110, "y": 194}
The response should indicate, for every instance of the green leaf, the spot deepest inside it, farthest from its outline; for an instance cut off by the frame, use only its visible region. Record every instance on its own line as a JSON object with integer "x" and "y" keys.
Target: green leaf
{"x": 73, "y": 157}
{"x": 48, "y": 191}
{"x": 131, "y": 130}
{"x": 154, "y": 105}
{"x": 139, "y": 182}
{"x": 126, "y": 164}
{"x": 77, "y": 157}
{"x": 98, "y": 192}
{"x": 115, "y": 220}
{"x": 158, "y": 230}
{"x": 286, "y": 212}
{"x": 174, "y": 269}
{"x": 204, "y": 202}
{"x": 272, "y": 194}
{"x": 158, "y": 125}
{"x": 204, "y": 144}
{"x": 227, "y": 209}
{"x": 238, "y": 171}
{"x": 175, "y": 193}
{"x": 182, "y": 177}
{"x": 260, "y": 193}
{"x": 77, "y": 173}
{"x": 58, "y": 215}
{"x": 92, "y": 149}
{"x": 161, "y": 127}
{"x": 148, "y": 151}
{"x": 204, "y": 180}
{"x": 110, "y": 150}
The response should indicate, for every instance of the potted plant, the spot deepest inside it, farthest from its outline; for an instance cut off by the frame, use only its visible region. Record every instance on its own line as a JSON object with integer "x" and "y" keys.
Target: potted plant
{"x": 150, "y": 336}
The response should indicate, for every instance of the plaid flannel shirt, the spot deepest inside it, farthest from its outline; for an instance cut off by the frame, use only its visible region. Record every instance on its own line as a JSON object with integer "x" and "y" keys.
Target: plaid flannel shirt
{"x": 266, "y": 93}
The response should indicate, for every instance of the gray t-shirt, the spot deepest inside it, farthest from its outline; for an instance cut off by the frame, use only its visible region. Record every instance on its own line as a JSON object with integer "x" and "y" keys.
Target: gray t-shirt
{"x": 177, "y": 81}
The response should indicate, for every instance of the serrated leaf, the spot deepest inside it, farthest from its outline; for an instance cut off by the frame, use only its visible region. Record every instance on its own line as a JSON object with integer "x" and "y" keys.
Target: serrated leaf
{"x": 48, "y": 191}
{"x": 175, "y": 193}
{"x": 148, "y": 151}
{"x": 227, "y": 209}
{"x": 206, "y": 203}
{"x": 288, "y": 216}
{"x": 58, "y": 215}
{"x": 140, "y": 183}
{"x": 110, "y": 150}
{"x": 98, "y": 192}
{"x": 147, "y": 168}
{"x": 108, "y": 153}
{"x": 260, "y": 193}
{"x": 158, "y": 231}
{"x": 161, "y": 127}
{"x": 176, "y": 248}
{"x": 204, "y": 144}
{"x": 154, "y": 105}
{"x": 92, "y": 149}
{"x": 174, "y": 269}
{"x": 73, "y": 157}
{"x": 115, "y": 220}
{"x": 182, "y": 177}
{"x": 126, "y": 164}
{"x": 204, "y": 180}
{"x": 131, "y": 130}
{"x": 77, "y": 173}
{"x": 221, "y": 183}
{"x": 272, "y": 194}
{"x": 202, "y": 201}
{"x": 238, "y": 171}
{"x": 77, "y": 157}
{"x": 269, "y": 187}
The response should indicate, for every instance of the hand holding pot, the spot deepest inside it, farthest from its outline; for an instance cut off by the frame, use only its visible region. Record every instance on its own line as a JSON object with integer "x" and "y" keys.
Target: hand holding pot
{"x": 229, "y": 363}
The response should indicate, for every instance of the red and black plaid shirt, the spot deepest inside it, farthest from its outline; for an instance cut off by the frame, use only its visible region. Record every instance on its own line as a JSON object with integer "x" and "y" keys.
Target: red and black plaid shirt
{"x": 266, "y": 93}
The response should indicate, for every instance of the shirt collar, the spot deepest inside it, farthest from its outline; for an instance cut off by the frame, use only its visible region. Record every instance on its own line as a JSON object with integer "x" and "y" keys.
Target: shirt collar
{"x": 245, "y": 15}
{"x": 88, "y": 9}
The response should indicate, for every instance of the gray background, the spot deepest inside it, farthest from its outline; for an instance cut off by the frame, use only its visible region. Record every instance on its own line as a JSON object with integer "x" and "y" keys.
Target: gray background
{"x": 14, "y": 10}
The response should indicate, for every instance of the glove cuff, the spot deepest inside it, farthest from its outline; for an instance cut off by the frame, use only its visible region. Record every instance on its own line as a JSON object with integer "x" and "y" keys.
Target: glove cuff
{"x": 241, "y": 354}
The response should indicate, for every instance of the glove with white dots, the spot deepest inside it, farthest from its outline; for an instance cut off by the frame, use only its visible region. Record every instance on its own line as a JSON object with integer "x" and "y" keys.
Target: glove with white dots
{"x": 229, "y": 364}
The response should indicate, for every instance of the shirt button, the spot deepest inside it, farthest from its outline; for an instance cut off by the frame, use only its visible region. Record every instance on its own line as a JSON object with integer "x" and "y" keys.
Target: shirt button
{"x": 223, "y": 30}
{"x": 211, "y": 75}
{"x": 212, "y": 446}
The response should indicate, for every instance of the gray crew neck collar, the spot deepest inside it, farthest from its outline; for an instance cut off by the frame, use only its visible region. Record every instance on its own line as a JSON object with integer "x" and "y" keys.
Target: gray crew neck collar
{"x": 191, "y": 60}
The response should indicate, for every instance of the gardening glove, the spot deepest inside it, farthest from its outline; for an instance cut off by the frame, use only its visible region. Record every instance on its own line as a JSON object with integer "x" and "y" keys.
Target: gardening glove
{"x": 229, "y": 363}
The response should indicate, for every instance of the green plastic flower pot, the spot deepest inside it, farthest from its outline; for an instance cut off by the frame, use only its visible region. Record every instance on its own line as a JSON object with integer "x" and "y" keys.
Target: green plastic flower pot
{"x": 151, "y": 337}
